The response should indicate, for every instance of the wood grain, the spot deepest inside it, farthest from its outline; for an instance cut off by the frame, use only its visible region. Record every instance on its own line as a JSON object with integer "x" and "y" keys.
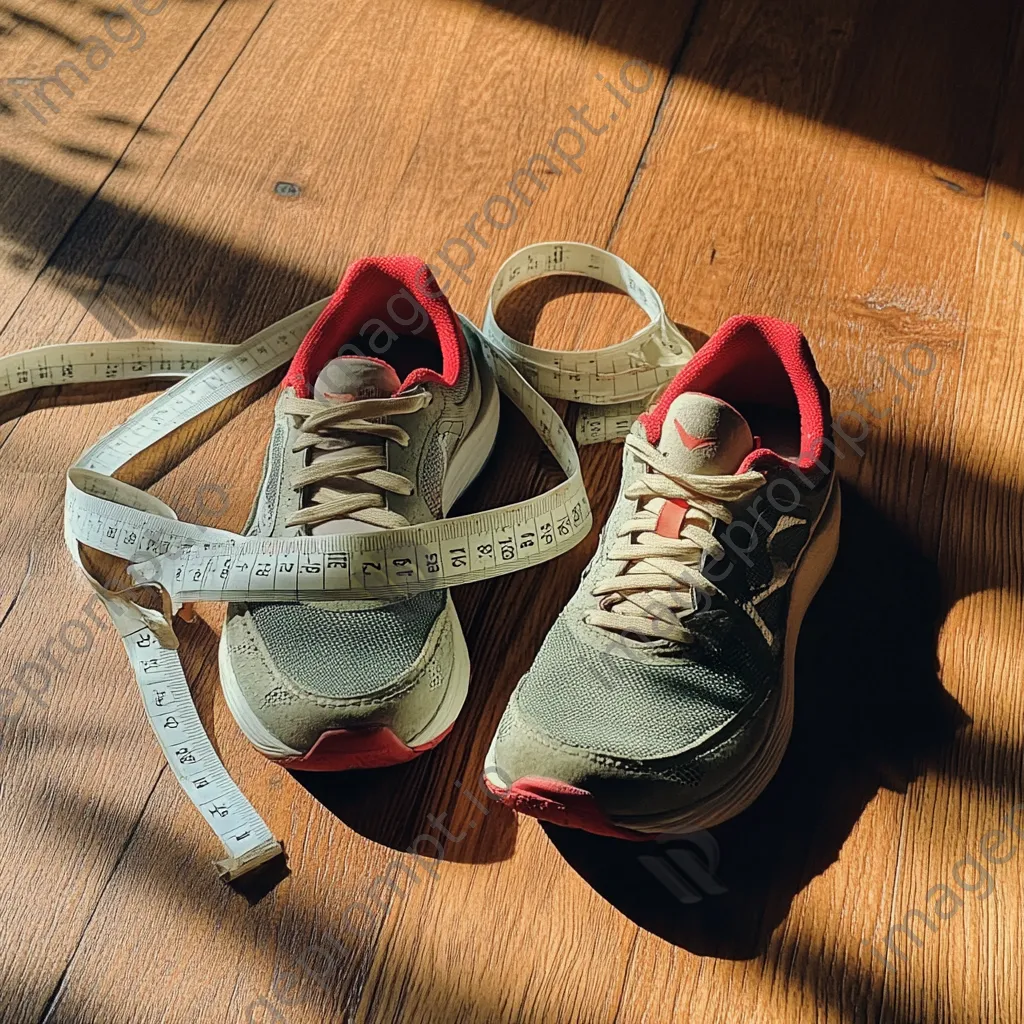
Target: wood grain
{"x": 851, "y": 166}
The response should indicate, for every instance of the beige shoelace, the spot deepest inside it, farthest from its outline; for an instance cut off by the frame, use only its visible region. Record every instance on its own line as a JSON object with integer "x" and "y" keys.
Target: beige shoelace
{"x": 652, "y": 590}
{"x": 357, "y": 473}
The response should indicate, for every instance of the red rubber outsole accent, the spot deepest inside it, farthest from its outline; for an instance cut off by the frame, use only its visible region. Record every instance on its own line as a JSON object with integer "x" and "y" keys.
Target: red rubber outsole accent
{"x": 342, "y": 750}
{"x": 561, "y": 804}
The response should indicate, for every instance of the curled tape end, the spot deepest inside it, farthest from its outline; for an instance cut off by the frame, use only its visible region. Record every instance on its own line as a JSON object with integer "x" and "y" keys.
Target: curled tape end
{"x": 163, "y": 631}
{"x": 232, "y": 868}
{"x": 144, "y": 574}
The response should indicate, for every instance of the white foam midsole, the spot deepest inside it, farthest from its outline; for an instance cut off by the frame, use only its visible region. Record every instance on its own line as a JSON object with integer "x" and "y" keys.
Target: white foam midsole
{"x": 813, "y": 567}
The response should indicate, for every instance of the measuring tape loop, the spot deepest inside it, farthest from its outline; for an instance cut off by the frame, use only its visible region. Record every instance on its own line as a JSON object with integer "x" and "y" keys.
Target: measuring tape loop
{"x": 121, "y": 520}
{"x": 103, "y": 363}
{"x": 188, "y": 562}
{"x": 613, "y": 384}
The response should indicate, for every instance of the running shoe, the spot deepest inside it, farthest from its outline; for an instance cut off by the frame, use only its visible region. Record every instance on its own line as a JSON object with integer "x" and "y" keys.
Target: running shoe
{"x": 662, "y": 698}
{"x": 387, "y": 414}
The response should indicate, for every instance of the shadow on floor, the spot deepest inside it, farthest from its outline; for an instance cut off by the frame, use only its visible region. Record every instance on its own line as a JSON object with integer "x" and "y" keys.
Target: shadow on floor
{"x": 870, "y": 710}
{"x": 910, "y": 74}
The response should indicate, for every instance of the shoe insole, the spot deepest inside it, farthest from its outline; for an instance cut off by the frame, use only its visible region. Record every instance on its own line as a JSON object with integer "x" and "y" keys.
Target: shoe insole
{"x": 779, "y": 429}
{"x": 406, "y": 353}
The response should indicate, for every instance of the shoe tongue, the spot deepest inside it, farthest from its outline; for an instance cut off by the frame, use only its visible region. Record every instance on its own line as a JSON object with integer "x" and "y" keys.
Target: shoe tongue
{"x": 705, "y": 435}
{"x": 350, "y": 378}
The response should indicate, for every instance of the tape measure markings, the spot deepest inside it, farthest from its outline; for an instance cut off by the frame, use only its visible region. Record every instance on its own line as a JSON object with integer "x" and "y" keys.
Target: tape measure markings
{"x": 203, "y": 389}
{"x": 168, "y": 702}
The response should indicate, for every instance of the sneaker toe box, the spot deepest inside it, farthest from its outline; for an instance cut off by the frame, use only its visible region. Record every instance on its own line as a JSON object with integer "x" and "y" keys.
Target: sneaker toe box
{"x": 642, "y": 739}
{"x": 304, "y": 669}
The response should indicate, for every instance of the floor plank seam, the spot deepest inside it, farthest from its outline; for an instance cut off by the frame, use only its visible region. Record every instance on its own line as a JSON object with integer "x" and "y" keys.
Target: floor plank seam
{"x": 206, "y": 106}
{"x": 15, "y": 420}
{"x": 1013, "y": 40}
{"x": 54, "y": 998}
{"x": 21, "y": 587}
{"x": 888, "y": 991}
{"x": 87, "y": 206}
{"x": 674, "y": 64}
{"x": 891, "y": 138}
{"x": 885, "y": 992}
{"x": 626, "y": 973}
{"x": 48, "y": 263}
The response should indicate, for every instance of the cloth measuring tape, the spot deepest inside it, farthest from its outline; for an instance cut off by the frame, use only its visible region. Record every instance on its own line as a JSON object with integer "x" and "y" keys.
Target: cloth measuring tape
{"x": 614, "y": 384}
{"x": 192, "y": 563}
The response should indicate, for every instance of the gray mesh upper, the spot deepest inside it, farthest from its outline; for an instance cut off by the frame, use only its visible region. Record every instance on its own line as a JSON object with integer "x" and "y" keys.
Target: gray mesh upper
{"x": 629, "y": 708}
{"x": 651, "y": 728}
{"x": 432, "y": 476}
{"x": 347, "y": 653}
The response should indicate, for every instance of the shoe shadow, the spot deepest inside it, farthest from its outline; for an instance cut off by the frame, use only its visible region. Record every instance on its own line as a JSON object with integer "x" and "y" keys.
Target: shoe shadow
{"x": 870, "y": 713}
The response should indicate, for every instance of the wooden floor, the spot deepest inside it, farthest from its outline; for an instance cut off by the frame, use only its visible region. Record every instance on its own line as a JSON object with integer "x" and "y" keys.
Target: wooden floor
{"x": 853, "y": 165}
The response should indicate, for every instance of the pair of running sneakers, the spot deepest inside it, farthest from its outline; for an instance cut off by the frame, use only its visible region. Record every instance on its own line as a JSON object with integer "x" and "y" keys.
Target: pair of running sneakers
{"x": 661, "y": 700}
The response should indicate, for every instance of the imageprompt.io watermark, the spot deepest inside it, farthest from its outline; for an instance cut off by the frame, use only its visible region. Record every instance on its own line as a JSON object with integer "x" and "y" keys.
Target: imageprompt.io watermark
{"x": 942, "y": 902}
{"x": 31, "y": 682}
{"x": 916, "y": 361}
{"x": 123, "y": 309}
{"x": 568, "y": 145}
{"x": 684, "y": 864}
{"x": 561, "y": 155}
{"x": 361, "y": 914}
{"x": 747, "y": 533}
{"x": 44, "y": 97}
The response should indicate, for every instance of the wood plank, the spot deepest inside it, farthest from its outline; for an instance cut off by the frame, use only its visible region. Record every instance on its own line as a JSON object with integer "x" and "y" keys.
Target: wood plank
{"x": 786, "y": 176}
{"x": 958, "y": 820}
{"x": 52, "y": 171}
